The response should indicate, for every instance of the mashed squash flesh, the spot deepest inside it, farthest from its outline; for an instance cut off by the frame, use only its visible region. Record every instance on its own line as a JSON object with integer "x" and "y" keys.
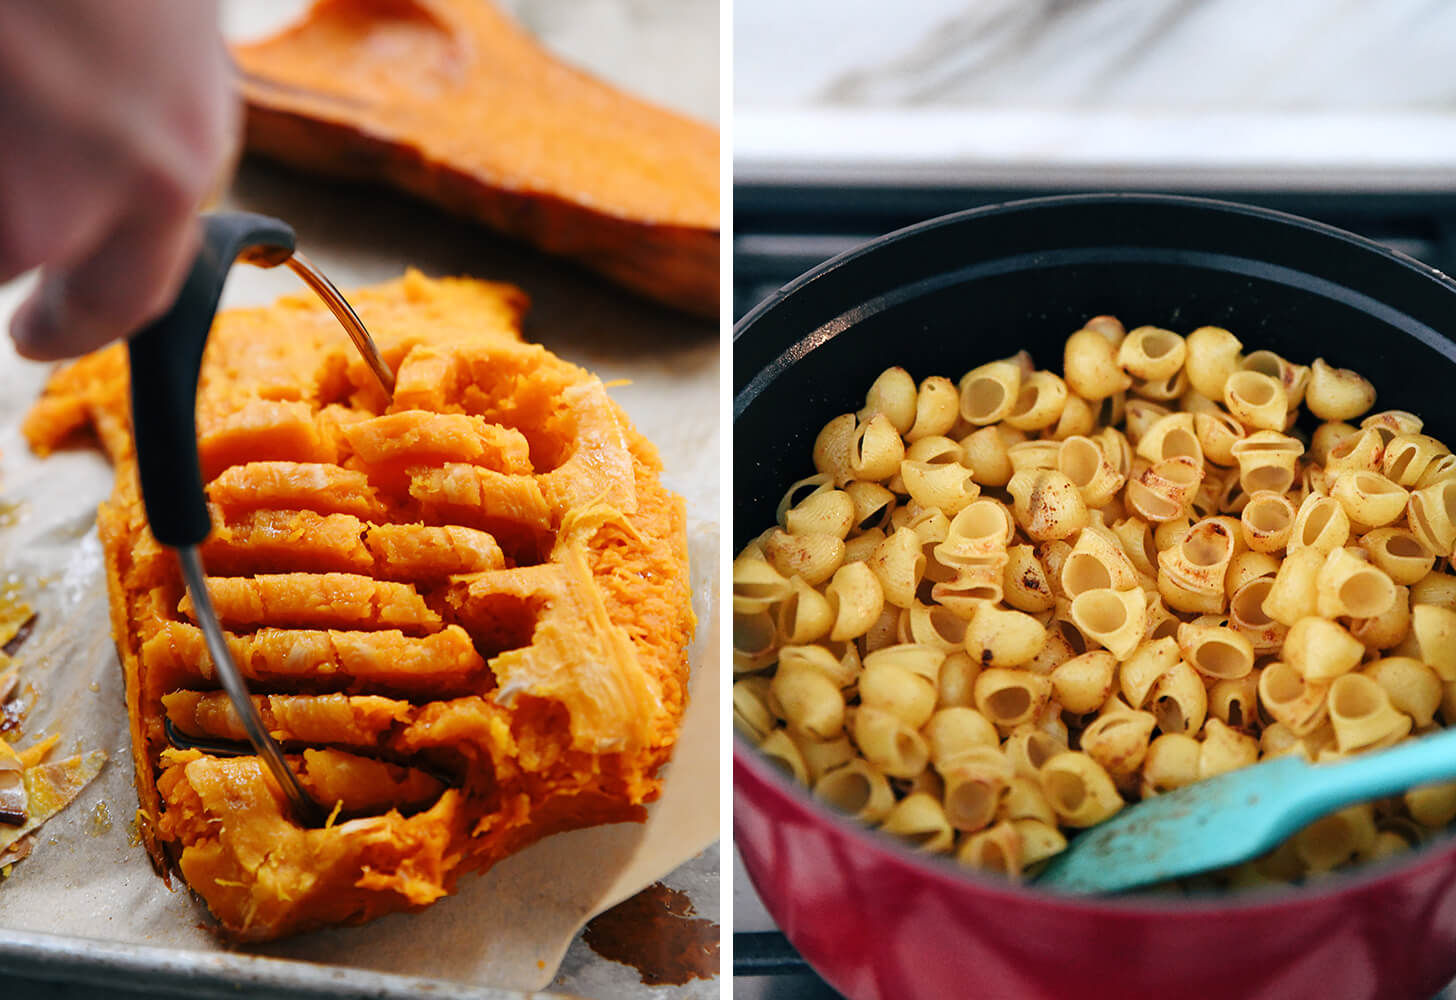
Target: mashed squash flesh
{"x": 464, "y": 612}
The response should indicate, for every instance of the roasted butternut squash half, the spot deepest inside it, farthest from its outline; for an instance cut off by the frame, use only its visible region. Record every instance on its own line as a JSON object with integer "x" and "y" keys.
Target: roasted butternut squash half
{"x": 463, "y": 613}
{"x": 451, "y": 101}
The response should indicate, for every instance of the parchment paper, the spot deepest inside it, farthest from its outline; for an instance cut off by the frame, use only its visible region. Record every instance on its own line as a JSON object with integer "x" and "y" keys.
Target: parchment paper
{"x": 89, "y": 877}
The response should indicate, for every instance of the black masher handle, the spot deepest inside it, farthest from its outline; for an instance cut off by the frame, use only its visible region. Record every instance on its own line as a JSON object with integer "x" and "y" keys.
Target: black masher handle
{"x": 166, "y": 358}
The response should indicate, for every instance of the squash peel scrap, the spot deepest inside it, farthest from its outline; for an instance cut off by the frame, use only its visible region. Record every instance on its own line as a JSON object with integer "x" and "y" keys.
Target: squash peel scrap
{"x": 47, "y": 789}
{"x": 464, "y": 613}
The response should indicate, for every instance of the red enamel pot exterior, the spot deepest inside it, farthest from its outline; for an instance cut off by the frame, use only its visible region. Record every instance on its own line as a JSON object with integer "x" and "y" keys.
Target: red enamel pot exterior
{"x": 881, "y": 922}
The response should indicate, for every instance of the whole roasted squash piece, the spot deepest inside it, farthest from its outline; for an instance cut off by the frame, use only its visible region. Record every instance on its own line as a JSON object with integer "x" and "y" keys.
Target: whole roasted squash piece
{"x": 451, "y": 101}
{"x": 464, "y": 612}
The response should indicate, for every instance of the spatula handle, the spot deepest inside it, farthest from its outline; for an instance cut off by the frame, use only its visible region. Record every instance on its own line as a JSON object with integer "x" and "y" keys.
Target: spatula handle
{"x": 165, "y": 360}
{"x": 1416, "y": 762}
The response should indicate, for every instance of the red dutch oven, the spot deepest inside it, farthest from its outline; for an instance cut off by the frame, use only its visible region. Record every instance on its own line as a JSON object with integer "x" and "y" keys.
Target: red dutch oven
{"x": 882, "y": 922}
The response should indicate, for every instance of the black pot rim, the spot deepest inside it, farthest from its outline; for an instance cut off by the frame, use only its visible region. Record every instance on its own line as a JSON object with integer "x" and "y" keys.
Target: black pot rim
{"x": 744, "y": 383}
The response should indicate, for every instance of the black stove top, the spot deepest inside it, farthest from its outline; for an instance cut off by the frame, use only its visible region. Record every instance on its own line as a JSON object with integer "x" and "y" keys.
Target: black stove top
{"x": 782, "y": 231}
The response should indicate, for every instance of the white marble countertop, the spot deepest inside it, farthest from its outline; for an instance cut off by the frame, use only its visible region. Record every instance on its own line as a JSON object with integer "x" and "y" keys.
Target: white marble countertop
{"x": 1211, "y": 93}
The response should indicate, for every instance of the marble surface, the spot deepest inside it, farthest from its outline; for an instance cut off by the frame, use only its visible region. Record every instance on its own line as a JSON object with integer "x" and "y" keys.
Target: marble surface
{"x": 1205, "y": 54}
{"x": 1170, "y": 93}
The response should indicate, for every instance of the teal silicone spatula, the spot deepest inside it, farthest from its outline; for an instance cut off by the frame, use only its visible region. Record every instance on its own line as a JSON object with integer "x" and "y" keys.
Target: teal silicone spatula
{"x": 1237, "y": 816}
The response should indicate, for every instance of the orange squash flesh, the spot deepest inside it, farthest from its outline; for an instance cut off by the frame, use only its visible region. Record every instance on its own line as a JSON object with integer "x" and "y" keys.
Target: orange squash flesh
{"x": 451, "y": 101}
{"x": 464, "y": 613}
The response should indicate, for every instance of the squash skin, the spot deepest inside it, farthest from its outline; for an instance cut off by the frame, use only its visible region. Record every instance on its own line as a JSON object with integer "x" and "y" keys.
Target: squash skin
{"x": 636, "y": 200}
{"x": 551, "y": 698}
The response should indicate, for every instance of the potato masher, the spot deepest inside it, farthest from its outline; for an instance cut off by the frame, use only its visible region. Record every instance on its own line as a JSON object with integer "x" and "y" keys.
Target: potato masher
{"x": 166, "y": 359}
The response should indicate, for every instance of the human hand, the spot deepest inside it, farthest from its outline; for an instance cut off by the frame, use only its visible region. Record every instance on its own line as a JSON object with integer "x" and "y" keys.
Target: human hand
{"x": 116, "y": 119}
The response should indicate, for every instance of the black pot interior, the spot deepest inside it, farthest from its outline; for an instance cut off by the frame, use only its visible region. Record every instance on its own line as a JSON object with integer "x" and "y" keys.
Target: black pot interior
{"x": 950, "y": 294}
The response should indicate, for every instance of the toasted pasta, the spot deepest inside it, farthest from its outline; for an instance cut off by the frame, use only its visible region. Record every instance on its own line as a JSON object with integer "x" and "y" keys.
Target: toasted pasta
{"x": 1235, "y": 701}
{"x": 1084, "y": 682}
{"x": 1028, "y": 748}
{"x": 1113, "y": 618}
{"x": 1118, "y": 741}
{"x": 920, "y": 819}
{"x": 1024, "y": 799}
{"x": 1267, "y": 460}
{"x": 1087, "y": 465}
{"x": 951, "y": 732}
{"x": 1047, "y": 504}
{"x": 955, "y": 684}
{"x": 1399, "y": 554}
{"x": 782, "y": 753}
{"x": 1360, "y": 452}
{"x": 876, "y": 450}
{"x": 1179, "y": 700}
{"x": 995, "y": 850}
{"x": 1433, "y": 516}
{"x": 811, "y": 703}
{"x": 1408, "y": 457}
{"x": 1006, "y": 604}
{"x": 1267, "y": 521}
{"x": 1411, "y": 686}
{"x": 1010, "y": 698}
{"x": 1001, "y": 638}
{"x": 1216, "y": 651}
{"x": 934, "y": 625}
{"x": 974, "y": 783}
{"x": 1256, "y": 400}
{"x": 805, "y": 614}
{"x": 1434, "y": 629}
{"x": 988, "y": 393}
{"x": 854, "y": 599}
{"x": 1349, "y": 587}
{"x": 822, "y": 756}
{"x": 751, "y": 715}
{"x": 1433, "y": 806}
{"x": 1321, "y": 650}
{"x": 858, "y": 789}
{"x": 1362, "y": 714}
{"x": 1294, "y": 378}
{"x": 893, "y": 394}
{"x": 1337, "y": 393}
{"x": 1389, "y": 629}
{"x": 889, "y": 743}
{"x": 1295, "y": 592}
{"x": 1079, "y": 789}
{"x": 1191, "y": 573}
{"x": 986, "y": 453}
{"x": 937, "y": 404}
{"x": 1337, "y": 838}
{"x": 1224, "y": 749}
{"x": 1300, "y": 705}
{"x": 1089, "y": 363}
{"x": 1171, "y": 436}
{"x": 1165, "y": 489}
{"x": 755, "y": 641}
{"x": 813, "y": 557}
{"x": 1213, "y": 355}
{"x": 1025, "y": 584}
{"x": 1369, "y": 499}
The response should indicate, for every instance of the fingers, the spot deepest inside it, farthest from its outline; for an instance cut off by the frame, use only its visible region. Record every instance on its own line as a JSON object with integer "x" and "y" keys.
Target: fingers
{"x": 131, "y": 278}
{"x": 116, "y": 119}
{"x": 51, "y": 208}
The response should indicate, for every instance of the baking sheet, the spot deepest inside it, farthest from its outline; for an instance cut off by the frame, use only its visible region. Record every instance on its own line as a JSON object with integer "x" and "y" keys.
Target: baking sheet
{"x": 88, "y": 876}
